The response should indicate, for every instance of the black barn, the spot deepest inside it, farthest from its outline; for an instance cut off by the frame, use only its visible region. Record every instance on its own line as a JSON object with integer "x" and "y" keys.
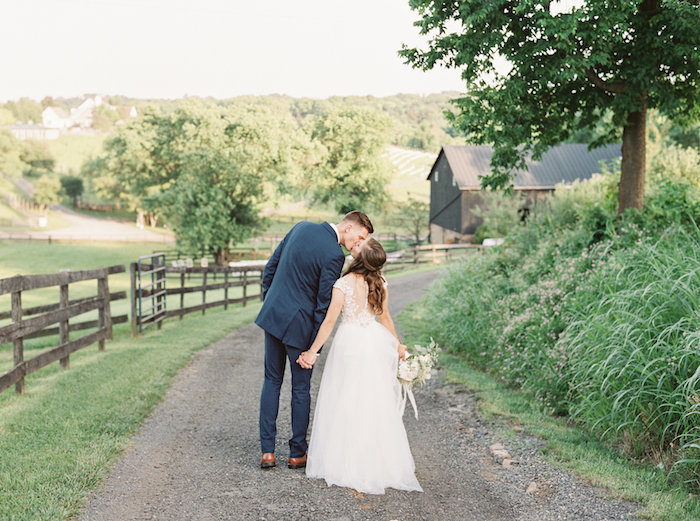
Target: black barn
{"x": 455, "y": 184}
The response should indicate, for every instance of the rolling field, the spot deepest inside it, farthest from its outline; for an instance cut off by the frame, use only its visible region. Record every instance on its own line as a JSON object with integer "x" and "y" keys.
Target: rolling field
{"x": 411, "y": 169}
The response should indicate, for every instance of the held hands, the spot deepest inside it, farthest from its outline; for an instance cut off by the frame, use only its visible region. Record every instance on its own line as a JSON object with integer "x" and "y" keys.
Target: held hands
{"x": 307, "y": 359}
{"x": 402, "y": 351}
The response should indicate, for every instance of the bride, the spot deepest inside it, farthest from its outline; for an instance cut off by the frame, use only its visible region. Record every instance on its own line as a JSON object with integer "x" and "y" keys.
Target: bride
{"x": 358, "y": 438}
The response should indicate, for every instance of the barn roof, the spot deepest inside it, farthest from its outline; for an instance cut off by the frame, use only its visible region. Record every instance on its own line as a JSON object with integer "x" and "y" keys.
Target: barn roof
{"x": 560, "y": 164}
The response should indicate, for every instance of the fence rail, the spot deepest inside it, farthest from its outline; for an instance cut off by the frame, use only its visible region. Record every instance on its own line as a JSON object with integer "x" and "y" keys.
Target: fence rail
{"x": 233, "y": 277}
{"x": 226, "y": 285}
{"x": 429, "y": 254}
{"x": 260, "y": 247}
{"x": 60, "y": 313}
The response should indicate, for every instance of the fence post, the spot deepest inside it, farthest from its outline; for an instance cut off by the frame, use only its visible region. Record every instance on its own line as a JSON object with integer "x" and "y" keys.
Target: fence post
{"x": 63, "y": 325}
{"x": 134, "y": 318}
{"x": 18, "y": 343}
{"x": 226, "y": 290}
{"x": 204, "y": 292}
{"x": 245, "y": 287}
{"x": 182, "y": 295}
{"x": 159, "y": 283}
{"x": 105, "y": 312}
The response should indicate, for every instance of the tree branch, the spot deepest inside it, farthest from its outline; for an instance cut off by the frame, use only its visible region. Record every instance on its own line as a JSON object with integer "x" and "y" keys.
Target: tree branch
{"x": 616, "y": 87}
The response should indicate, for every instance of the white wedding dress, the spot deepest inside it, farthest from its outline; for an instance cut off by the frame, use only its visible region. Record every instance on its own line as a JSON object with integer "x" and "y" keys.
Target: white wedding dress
{"x": 358, "y": 438}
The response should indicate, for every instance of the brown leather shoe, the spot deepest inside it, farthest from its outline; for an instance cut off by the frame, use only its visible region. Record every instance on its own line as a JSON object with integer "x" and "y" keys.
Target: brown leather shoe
{"x": 267, "y": 461}
{"x": 297, "y": 463}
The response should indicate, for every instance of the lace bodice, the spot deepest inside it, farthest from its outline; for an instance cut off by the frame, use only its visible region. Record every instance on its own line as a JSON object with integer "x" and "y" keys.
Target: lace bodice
{"x": 356, "y": 309}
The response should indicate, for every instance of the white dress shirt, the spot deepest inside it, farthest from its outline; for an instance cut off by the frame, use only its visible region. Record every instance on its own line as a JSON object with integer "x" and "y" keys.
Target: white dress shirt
{"x": 335, "y": 229}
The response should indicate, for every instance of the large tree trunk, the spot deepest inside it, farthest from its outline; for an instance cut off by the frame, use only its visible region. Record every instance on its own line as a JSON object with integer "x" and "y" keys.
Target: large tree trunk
{"x": 221, "y": 256}
{"x": 631, "y": 188}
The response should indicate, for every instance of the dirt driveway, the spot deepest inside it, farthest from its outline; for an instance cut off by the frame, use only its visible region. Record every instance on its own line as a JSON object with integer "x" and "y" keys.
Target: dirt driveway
{"x": 196, "y": 457}
{"x": 86, "y": 228}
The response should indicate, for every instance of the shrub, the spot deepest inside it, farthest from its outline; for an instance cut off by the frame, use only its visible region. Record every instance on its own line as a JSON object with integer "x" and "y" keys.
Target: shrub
{"x": 593, "y": 315}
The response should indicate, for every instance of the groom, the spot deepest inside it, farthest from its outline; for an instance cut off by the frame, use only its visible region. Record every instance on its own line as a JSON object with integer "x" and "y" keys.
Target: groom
{"x": 296, "y": 287}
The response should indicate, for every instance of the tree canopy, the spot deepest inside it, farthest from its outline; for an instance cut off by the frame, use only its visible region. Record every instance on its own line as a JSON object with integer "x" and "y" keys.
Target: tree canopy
{"x": 563, "y": 72}
{"x": 204, "y": 168}
{"x": 47, "y": 191}
{"x": 73, "y": 188}
{"x": 352, "y": 173}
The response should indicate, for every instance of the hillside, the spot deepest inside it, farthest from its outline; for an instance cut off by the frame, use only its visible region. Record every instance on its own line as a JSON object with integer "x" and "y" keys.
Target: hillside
{"x": 411, "y": 169}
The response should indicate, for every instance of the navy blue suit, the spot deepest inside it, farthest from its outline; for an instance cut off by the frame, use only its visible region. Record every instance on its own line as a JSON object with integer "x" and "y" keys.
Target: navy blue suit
{"x": 297, "y": 286}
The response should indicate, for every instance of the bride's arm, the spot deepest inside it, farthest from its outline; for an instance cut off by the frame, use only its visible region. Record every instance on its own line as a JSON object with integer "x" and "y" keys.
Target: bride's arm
{"x": 387, "y": 322}
{"x": 307, "y": 358}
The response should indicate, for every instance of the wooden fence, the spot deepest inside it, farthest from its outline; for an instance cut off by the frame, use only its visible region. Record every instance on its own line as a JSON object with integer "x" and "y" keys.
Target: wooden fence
{"x": 429, "y": 254}
{"x": 180, "y": 282}
{"x": 184, "y": 280}
{"x": 60, "y": 313}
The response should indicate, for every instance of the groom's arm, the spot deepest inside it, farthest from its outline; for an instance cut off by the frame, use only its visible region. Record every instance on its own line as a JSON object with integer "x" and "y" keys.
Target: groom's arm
{"x": 271, "y": 267}
{"x": 329, "y": 274}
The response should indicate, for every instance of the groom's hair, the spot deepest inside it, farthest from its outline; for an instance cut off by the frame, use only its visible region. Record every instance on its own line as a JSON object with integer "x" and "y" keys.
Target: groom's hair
{"x": 360, "y": 218}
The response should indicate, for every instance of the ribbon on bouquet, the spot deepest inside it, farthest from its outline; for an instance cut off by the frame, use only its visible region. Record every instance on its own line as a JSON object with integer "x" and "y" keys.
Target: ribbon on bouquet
{"x": 407, "y": 392}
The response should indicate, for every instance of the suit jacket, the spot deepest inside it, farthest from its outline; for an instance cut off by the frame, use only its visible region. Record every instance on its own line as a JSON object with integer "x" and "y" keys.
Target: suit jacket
{"x": 298, "y": 283}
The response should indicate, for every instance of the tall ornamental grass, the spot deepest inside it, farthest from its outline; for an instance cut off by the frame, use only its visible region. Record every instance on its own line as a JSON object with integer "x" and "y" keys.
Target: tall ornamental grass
{"x": 595, "y": 316}
{"x": 633, "y": 352}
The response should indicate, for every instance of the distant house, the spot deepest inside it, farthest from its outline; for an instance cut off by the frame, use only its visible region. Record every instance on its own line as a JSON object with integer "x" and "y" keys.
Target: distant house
{"x": 455, "y": 185}
{"x": 55, "y": 117}
{"x": 84, "y": 115}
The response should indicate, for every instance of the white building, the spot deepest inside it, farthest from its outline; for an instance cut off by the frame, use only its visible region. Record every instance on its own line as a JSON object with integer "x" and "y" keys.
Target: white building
{"x": 55, "y": 117}
{"x": 33, "y": 131}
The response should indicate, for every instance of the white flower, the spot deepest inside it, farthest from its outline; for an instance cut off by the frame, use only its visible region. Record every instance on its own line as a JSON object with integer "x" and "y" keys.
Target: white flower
{"x": 418, "y": 367}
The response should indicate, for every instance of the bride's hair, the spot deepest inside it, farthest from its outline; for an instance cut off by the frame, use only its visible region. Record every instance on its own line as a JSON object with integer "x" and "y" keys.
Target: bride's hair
{"x": 369, "y": 264}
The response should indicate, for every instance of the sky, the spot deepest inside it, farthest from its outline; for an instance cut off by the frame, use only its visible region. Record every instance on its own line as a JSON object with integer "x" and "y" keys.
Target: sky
{"x": 219, "y": 48}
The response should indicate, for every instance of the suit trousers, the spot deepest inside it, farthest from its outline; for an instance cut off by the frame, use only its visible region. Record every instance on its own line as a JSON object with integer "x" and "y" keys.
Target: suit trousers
{"x": 276, "y": 355}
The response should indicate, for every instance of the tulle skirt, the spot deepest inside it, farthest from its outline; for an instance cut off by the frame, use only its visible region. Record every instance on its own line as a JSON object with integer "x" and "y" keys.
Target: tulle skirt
{"x": 358, "y": 439}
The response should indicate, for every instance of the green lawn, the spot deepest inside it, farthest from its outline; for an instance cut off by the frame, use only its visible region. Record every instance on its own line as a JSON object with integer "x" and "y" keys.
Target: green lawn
{"x": 30, "y": 257}
{"x": 71, "y": 152}
{"x": 58, "y": 440}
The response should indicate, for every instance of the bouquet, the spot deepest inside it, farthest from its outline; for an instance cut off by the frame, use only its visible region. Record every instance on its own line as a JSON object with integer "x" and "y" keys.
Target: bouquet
{"x": 416, "y": 368}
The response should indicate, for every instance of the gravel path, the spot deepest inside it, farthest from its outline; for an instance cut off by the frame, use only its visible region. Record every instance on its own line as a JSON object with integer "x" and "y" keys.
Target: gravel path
{"x": 197, "y": 456}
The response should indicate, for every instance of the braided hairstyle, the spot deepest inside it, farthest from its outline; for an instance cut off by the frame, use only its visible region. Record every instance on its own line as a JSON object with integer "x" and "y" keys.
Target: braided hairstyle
{"x": 369, "y": 264}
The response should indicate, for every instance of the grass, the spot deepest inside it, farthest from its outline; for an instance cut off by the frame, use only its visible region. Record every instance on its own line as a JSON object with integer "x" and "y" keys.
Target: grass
{"x": 569, "y": 445}
{"x": 71, "y": 152}
{"x": 30, "y": 257}
{"x": 58, "y": 440}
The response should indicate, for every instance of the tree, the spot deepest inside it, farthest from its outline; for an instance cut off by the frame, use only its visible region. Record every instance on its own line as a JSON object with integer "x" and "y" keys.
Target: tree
{"x": 566, "y": 70}
{"x": 25, "y": 110}
{"x": 38, "y": 156}
{"x": 500, "y": 214}
{"x": 205, "y": 168}
{"x": 352, "y": 172}
{"x": 105, "y": 118}
{"x": 73, "y": 187}
{"x": 413, "y": 214}
{"x": 213, "y": 203}
{"x": 10, "y": 162}
{"x": 7, "y": 118}
{"x": 104, "y": 180}
{"x": 47, "y": 191}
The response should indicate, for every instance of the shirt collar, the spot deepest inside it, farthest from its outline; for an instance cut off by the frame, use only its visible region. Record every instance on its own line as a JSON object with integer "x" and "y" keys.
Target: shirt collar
{"x": 335, "y": 229}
